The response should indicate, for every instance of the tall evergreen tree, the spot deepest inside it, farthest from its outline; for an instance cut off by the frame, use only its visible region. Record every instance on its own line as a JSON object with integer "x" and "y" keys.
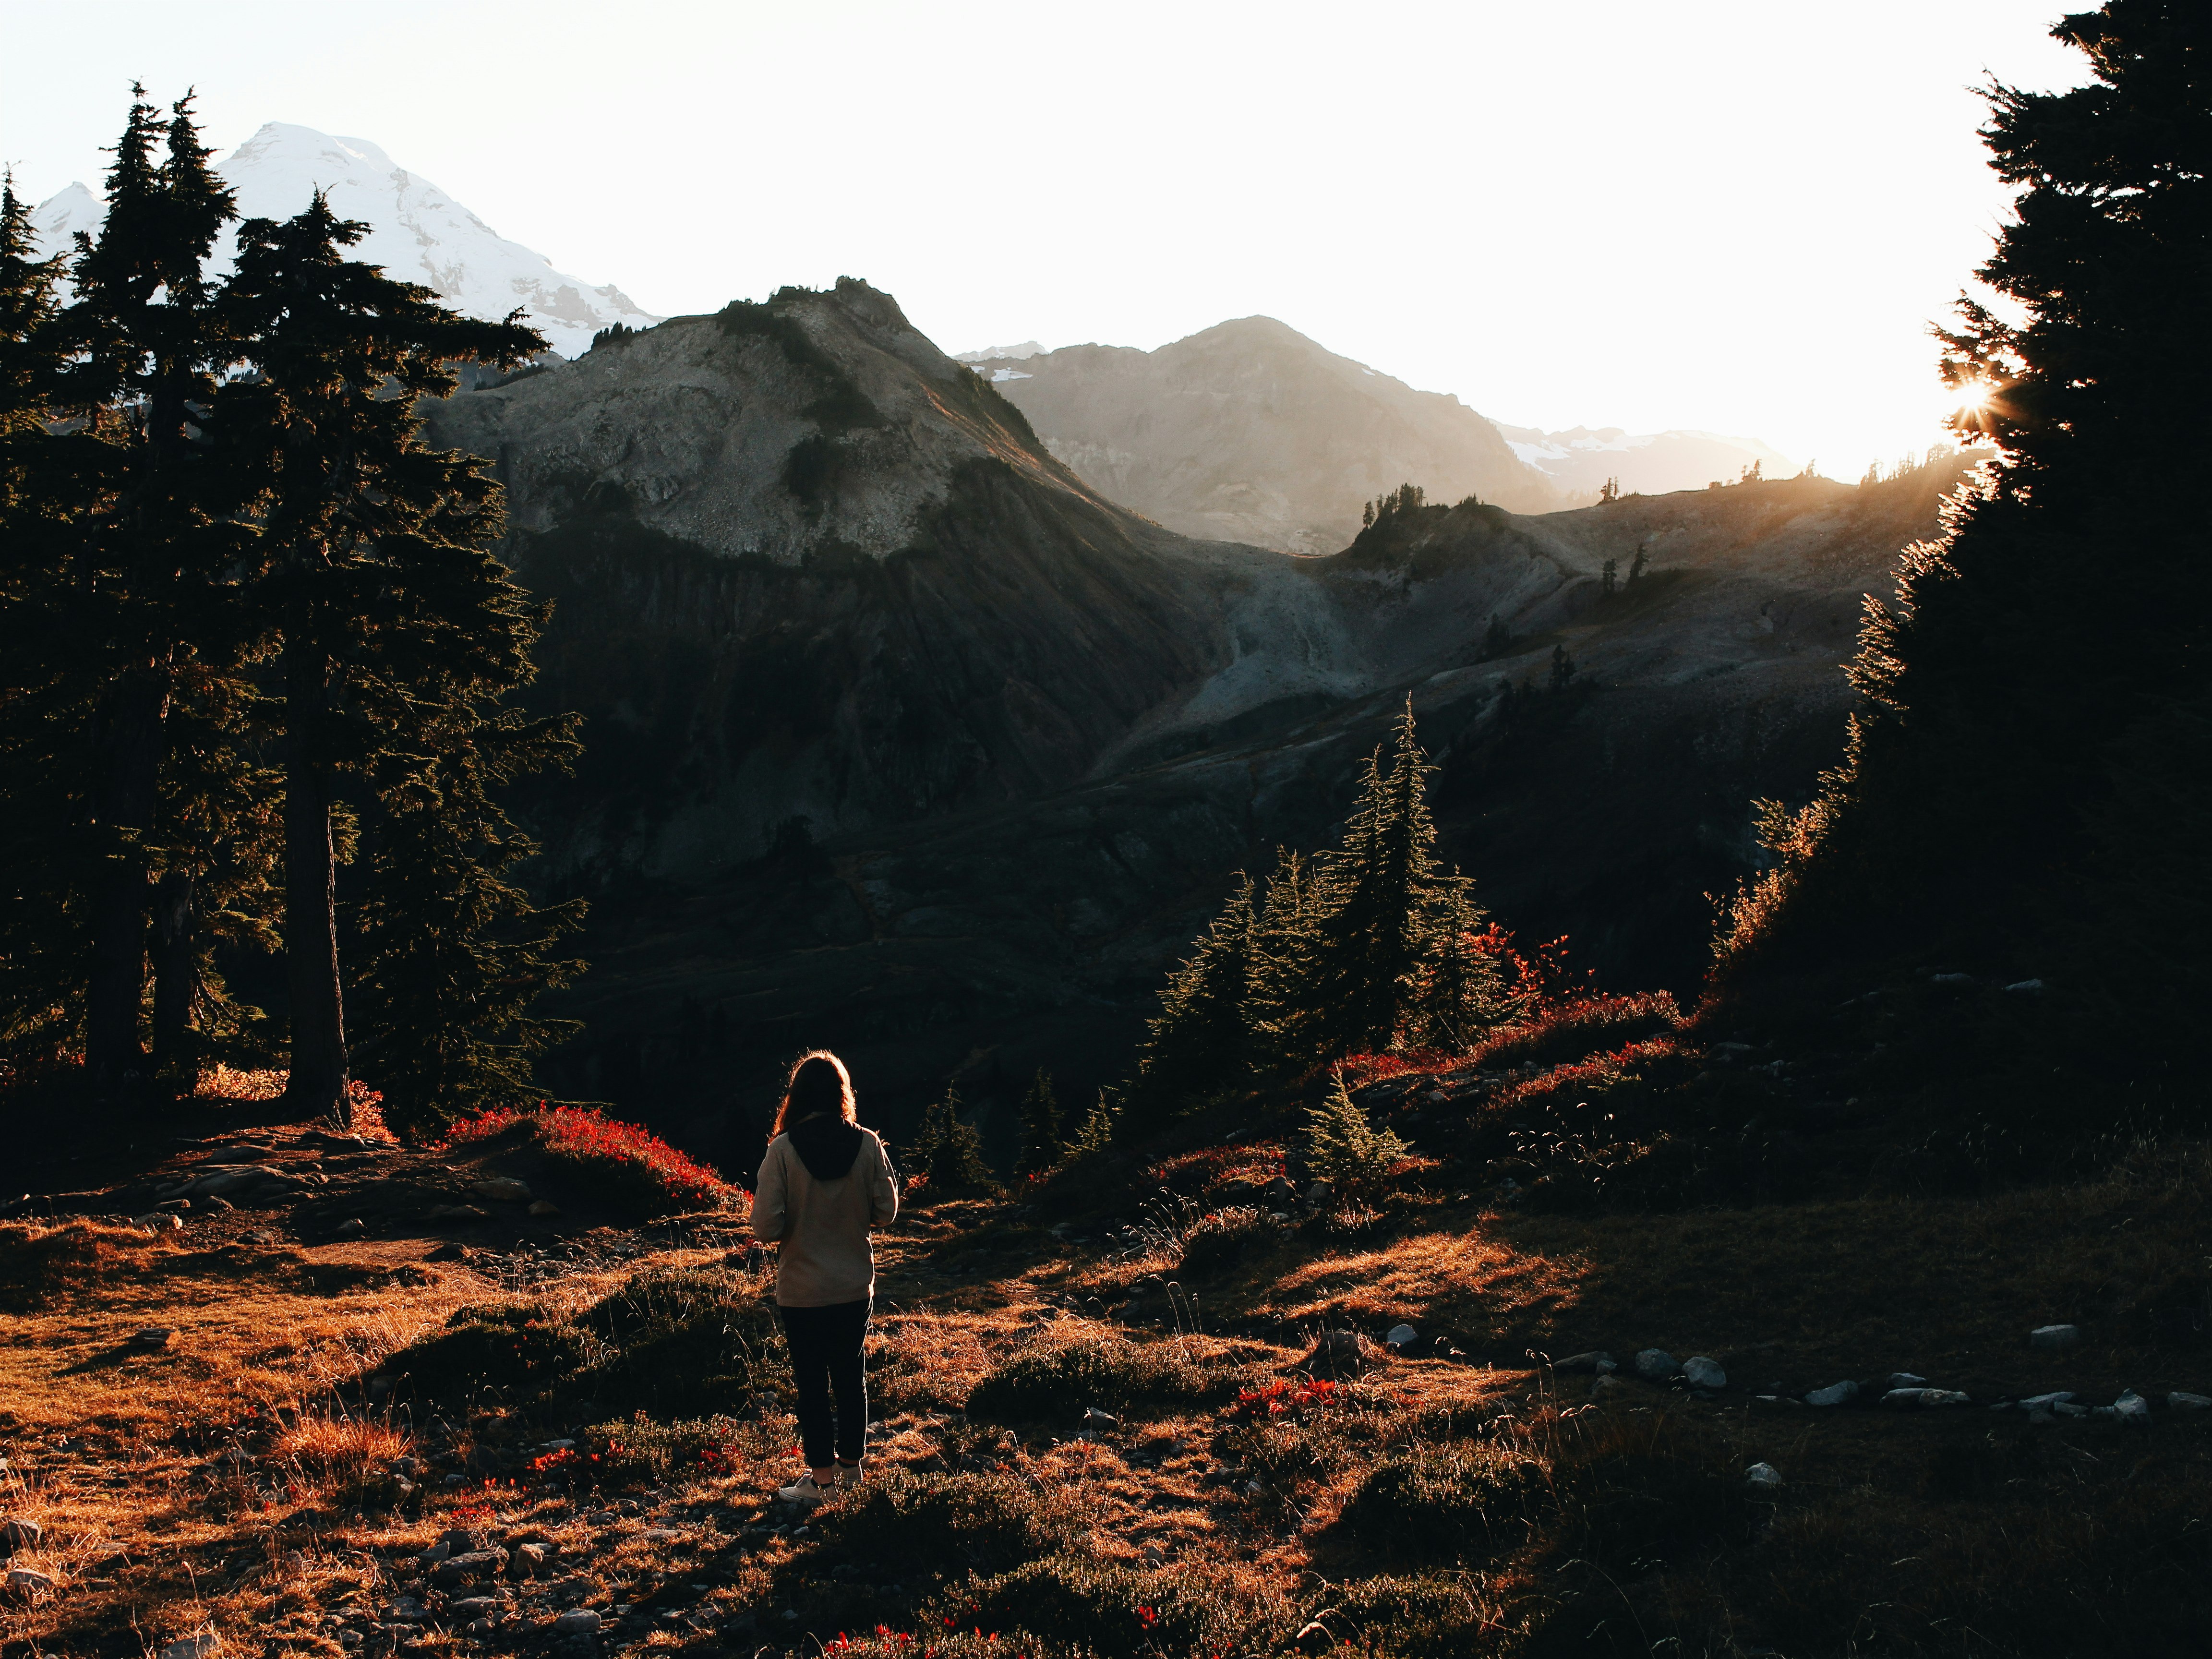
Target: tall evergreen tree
{"x": 379, "y": 578}
{"x": 1198, "y": 1039}
{"x": 1378, "y": 886}
{"x": 137, "y": 611}
{"x": 1973, "y": 818}
{"x": 1279, "y": 1012}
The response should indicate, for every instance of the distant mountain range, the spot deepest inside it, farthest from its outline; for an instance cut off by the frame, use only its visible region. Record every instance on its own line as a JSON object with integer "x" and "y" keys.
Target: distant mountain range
{"x": 419, "y": 234}
{"x": 1581, "y": 461}
{"x": 1249, "y": 431}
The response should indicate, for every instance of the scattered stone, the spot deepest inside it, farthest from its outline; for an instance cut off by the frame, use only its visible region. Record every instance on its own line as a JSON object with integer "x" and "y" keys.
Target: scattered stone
{"x": 1401, "y": 1337}
{"x": 1951, "y": 979}
{"x": 1656, "y": 1364}
{"x": 2044, "y": 1402}
{"x": 476, "y": 1564}
{"x": 455, "y": 1212}
{"x": 1319, "y": 1193}
{"x": 1279, "y": 1189}
{"x": 436, "y": 1553}
{"x": 352, "y": 1229}
{"x": 2189, "y": 1402}
{"x": 475, "y": 1606}
{"x": 192, "y": 1647}
{"x": 577, "y": 1621}
{"x": 1605, "y": 1384}
{"x": 25, "y": 1581}
{"x": 2132, "y": 1406}
{"x": 1914, "y": 1398}
{"x": 260, "y": 1235}
{"x": 17, "y": 1535}
{"x": 1597, "y": 1360}
{"x": 1906, "y": 1380}
{"x": 1836, "y": 1394}
{"x": 532, "y": 1556}
{"x": 160, "y": 1221}
{"x": 2054, "y": 1336}
{"x": 1343, "y": 1346}
{"x": 1704, "y": 1373}
{"x": 459, "y": 1541}
{"x": 2029, "y": 985}
{"x": 662, "y": 1535}
{"x": 1095, "y": 1419}
{"x": 1763, "y": 1475}
{"x": 502, "y": 1189}
{"x": 153, "y": 1337}
{"x": 545, "y": 1207}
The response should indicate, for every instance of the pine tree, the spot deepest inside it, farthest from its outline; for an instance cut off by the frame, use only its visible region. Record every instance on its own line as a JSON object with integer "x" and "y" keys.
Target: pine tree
{"x": 379, "y": 580}
{"x": 1378, "y": 886}
{"x": 1343, "y": 1148}
{"x": 1563, "y": 669}
{"x": 1042, "y": 1144}
{"x": 1635, "y": 568}
{"x": 1607, "y": 581}
{"x": 1279, "y": 1011}
{"x": 136, "y": 609}
{"x": 1498, "y": 638}
{"x": 455, "y": 953}
{"x": 1462, "y": 992}
{"x": 1973, "y": 817}
{"x": 1197, "y": 1041}
{"x": 950, "y": 1152}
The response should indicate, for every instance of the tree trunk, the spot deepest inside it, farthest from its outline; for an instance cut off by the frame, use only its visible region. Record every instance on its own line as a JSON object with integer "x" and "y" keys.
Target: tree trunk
{"x": 176, "y": 979}
{"x": 317, "y": 1086}
{"x": 115, "y": 990}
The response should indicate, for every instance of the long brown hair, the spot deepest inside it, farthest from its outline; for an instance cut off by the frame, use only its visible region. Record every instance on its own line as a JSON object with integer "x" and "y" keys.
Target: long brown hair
{"x": 818, "y": 1083}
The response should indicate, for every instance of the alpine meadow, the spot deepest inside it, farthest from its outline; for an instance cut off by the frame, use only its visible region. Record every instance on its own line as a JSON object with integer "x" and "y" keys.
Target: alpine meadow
{"x": 726, "y": 986}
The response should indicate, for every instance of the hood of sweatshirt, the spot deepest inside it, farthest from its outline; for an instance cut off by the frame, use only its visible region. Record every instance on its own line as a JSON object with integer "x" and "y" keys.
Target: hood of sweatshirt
{"x": 826, "y": 1145}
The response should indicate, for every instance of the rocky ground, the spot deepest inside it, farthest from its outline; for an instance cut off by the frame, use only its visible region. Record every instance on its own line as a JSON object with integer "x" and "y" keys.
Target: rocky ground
{"x": 1232, "y": 1416}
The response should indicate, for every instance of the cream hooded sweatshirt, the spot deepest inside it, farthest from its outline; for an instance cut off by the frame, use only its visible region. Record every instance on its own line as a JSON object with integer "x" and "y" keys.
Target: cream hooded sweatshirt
{"x": 823, "y": 1185}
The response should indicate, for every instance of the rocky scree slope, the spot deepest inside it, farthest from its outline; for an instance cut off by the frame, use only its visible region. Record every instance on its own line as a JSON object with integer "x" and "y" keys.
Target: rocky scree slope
{"x": 1250, "y": 432}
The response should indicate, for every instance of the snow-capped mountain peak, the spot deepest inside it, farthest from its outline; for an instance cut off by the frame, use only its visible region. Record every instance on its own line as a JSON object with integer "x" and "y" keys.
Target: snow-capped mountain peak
{"x": 418, "y": 232}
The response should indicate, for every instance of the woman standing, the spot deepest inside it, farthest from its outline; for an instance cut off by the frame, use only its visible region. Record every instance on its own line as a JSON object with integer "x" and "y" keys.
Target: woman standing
{"x": 824, "y": 1183}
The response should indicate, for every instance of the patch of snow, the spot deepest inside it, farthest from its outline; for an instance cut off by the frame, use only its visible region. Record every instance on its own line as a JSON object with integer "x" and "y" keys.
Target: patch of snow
{"x": 1000, "y": 375}
{"x": 1016, "y": 354}
{"x": 417, "y": 233}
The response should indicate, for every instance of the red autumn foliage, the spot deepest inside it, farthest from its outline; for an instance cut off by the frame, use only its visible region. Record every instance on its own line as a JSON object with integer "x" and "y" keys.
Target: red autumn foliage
{"x": 627, "y": 1156}
{"x": 1579, "y": 1025}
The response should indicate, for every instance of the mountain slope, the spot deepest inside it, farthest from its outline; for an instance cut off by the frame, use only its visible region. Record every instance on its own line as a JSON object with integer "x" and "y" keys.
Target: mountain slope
{"x": 419, "y": 234}
{"x": 814, "y": 577}
{"x": 1250, "y": 432}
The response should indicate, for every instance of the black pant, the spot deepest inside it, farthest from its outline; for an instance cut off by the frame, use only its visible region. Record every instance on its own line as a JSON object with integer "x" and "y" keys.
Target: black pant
{"x": 825, "y": 1354}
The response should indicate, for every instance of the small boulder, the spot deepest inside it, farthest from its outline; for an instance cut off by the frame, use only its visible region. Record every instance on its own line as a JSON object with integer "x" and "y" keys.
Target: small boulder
{"x": 348, "y": 1229}
{"x": 459, "y": 1541}
{"x": 192, "y": 1647}
{"x": 153, "y": 1337}
{"x": 1597, "y": 1362}
{"x": 502, "y": 1189}
{"x": 1763, "y": 1476}
{"x": 2054, "y": 1336}
{"x": 1836, "y": 1394}
{"x": 2188, "y": 1403}
{"x": 1916, "y": 1399}
{"x": 2044, "y": 1402}
{"x": 1095, "y": 1419}
{"x": 1704, "y": 1373}
{"x": 1906, "y": 1380}
{"x": 466, "y": 1569}
{"x": 545, "y": 1208}
{"x": 2132, "y": 1407}
{"x": 1401, "y": 1337}
{"x": 1605, "y": 1385}
{"x": 27, "y": 1582}
{"x": 2030, "y": 986}
{"x": 1319, "y": 1193}
{"x": 577, "y": 1621}
{"x": 1656, "y": 1364}
{"x": 1279, "y": 1189}
{"x": 19, "y": 1535}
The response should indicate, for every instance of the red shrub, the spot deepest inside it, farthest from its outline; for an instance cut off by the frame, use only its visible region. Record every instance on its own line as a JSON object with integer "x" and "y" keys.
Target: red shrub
{"x": 1581, "y": 1025}
{"x": 626, "y": 1156}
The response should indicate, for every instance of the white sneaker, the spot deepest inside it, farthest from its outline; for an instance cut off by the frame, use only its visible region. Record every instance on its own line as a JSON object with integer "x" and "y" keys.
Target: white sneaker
{"x": 849, "y": 1474}
{"x": 802, "y": 1491}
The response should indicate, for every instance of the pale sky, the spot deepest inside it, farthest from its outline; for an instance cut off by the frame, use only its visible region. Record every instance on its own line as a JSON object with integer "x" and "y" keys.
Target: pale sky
{"x": 1735, "y": 217}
